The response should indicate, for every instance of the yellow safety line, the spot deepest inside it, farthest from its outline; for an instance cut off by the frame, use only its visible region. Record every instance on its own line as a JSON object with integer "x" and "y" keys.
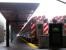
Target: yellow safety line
{"x": 30, "y": 44}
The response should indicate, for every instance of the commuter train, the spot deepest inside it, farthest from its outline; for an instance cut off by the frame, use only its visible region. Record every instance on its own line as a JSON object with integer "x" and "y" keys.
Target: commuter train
{"x": 30, "y": 30}
{"x": 44, "y": 39}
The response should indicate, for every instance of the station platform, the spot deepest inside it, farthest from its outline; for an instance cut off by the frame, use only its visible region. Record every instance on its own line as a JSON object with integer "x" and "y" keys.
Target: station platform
{"x": 16, "y": 45}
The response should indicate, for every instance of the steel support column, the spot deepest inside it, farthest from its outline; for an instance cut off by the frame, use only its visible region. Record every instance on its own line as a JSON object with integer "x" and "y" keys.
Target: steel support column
{"x": 7, "y": 33}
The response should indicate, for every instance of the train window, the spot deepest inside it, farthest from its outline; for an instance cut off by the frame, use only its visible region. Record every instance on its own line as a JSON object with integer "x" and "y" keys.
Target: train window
{"x": 39, "y": 26}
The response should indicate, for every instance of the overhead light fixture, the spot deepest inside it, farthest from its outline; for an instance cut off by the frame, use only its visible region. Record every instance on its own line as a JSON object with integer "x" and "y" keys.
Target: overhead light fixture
{"x": 62, "y": 1}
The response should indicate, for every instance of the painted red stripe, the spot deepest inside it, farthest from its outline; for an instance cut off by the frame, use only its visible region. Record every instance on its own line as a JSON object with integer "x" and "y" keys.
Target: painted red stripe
{"x": 32, "y": 24}
{"x": 45, "y": 30}
{"x": 45, "y": 25}
{"x": 33, "y": 28}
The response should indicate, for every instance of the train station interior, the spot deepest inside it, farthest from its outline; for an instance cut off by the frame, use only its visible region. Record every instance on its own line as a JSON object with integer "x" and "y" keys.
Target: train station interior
{"x": 33, "y": 25}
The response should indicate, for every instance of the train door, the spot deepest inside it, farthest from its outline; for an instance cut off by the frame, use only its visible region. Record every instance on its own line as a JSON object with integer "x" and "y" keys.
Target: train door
{"x": 55, "y": 35}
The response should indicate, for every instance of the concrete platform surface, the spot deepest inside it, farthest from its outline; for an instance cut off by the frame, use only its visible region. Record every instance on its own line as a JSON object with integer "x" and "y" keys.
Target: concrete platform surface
{"x": 16, "y": 45}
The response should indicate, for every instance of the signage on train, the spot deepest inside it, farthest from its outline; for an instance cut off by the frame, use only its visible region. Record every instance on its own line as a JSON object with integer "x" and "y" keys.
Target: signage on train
{"x": 39, "y": 26}
{"x": 56, "y": 29}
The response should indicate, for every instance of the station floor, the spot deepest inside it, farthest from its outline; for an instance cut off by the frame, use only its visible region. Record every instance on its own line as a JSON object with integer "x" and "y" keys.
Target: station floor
{"x": 16, "y": 45}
